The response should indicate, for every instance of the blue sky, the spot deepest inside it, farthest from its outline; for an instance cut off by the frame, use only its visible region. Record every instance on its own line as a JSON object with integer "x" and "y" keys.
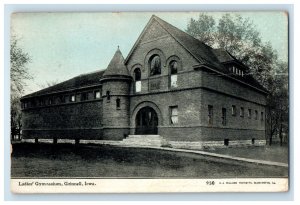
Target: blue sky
{"x": 64, "y": 45}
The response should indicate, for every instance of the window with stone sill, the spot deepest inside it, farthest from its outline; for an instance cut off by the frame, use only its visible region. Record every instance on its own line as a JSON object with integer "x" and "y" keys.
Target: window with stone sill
{"x": 138, "y": 82}
{"x": 173, "y": 71}
{"x": 174, "y": 115}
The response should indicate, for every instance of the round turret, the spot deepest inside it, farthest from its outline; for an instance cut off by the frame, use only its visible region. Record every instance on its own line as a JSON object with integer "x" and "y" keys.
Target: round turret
{"x": 115, "y": 88}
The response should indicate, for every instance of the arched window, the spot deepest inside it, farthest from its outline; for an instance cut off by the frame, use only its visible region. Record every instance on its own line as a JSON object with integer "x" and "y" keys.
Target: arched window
{"x": 137, "y": 78}
{"x": 155, "y": 65}
{"x": 173, "y": 66}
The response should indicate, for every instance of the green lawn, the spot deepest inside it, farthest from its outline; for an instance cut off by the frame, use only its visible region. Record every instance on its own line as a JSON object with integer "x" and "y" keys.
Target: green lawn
{"x": 274, "y": 153}
{"x": 66, "y": 160}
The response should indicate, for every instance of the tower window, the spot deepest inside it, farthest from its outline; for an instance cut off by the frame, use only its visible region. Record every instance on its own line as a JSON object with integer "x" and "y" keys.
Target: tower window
{"x": 224, "y": 116}
{"x": 118, "y": 103}
{"x": 108, "y": 95}
{"x": 210, "y": 114}
{"x": 174, "y": 115}
{"x": 262, "y": 116}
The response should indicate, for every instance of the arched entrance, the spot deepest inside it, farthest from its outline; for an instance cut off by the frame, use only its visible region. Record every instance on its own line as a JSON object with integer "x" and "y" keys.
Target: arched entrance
{"x": 146, "y": 121}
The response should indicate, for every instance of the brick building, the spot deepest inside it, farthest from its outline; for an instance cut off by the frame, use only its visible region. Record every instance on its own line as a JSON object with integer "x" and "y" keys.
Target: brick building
{"x": 170, "y": 84}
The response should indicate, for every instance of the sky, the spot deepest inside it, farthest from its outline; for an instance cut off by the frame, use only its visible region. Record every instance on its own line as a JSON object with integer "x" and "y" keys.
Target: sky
{"x": 64, "y": 45}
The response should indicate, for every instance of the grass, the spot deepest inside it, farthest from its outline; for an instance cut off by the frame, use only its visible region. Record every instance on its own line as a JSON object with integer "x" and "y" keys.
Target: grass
{"x": 274, "y": 153}
{"x": 66, "y": 160}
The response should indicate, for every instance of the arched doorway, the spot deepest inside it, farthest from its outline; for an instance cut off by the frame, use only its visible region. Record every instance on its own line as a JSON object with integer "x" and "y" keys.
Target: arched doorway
{"x": 146, "y": 121}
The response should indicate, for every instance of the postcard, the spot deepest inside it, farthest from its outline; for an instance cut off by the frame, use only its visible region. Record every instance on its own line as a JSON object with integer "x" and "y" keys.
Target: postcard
{"x": 149, "y": 102}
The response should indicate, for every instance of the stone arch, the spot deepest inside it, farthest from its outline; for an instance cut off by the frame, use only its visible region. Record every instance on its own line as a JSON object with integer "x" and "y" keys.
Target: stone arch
{"x": 135, "y": 66}
{"x": 176, "y": 58}
{"x": 142, "y": 105}
{"x": 152, "y": 53}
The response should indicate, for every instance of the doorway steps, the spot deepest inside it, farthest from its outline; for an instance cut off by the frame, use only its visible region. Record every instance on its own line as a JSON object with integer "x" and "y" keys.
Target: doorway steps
{"x": 143, "y": 140}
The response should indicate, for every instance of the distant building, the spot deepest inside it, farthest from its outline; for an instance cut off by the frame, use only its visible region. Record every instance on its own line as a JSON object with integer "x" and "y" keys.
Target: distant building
{"x": 170, "y": 84}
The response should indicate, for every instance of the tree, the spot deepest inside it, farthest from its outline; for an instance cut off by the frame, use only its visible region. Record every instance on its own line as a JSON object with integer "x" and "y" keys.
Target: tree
{"x": 239, "y": 37}
{"x": 18, "y": 75}
{"x": 203, "y": 29}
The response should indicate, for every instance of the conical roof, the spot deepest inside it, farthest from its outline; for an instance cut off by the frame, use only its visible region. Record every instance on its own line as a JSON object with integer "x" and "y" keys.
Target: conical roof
{"x": 116, "y": 66}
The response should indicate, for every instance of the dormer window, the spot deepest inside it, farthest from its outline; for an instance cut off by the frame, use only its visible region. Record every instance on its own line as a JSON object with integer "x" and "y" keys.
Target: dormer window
{"x": 236, "y": 71}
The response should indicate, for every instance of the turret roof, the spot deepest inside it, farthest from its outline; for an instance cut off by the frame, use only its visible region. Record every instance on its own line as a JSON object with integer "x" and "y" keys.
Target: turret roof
{"x": 116, "y": 65}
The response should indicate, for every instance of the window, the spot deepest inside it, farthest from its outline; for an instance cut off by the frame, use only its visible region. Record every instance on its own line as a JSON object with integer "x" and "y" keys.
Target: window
{"x": 50, "y": 101}
{"x": 41, "y": 102}
{"x": 97, "y": 94}
{"x": 84, "y": 96}
{"x": 233, "y": 110}
{"x": 224, "y": 116}
{"x": 249, "y": 113}
{"x": 262, "y": 116}
{"x": 256, "y": 115}
{"x": 155, "y": 65}
{"x": 25, "y": 105}
{"x": 72, "y": 98}
{"x": 242, "y": 73}
{"x": 108, "y": 95}
{"x": 137, "y": 78}
{"x": 33, "y": 103}
{"x": 173, "y": 70}
{"x": 242, "y": 112}
{"x": 118, "y": 103}
{"x": 174, "y": 115}
{"x": 226, "y": 142}
{"x": 210, "y": 114}
{"x": 62, "y": 99}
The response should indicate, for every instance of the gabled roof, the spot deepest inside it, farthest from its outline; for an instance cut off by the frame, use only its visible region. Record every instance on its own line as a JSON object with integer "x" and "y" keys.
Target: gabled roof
{"x": 83, "y": 80}
{"x": 223, "y": 55}
{"x": 116, "y": 65}
{"x": 199, "y": 50}
{"x": 204, "y": 54}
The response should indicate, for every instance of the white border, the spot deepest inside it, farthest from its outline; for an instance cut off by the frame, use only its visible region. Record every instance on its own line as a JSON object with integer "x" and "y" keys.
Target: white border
{"x": 219, "y": 196}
